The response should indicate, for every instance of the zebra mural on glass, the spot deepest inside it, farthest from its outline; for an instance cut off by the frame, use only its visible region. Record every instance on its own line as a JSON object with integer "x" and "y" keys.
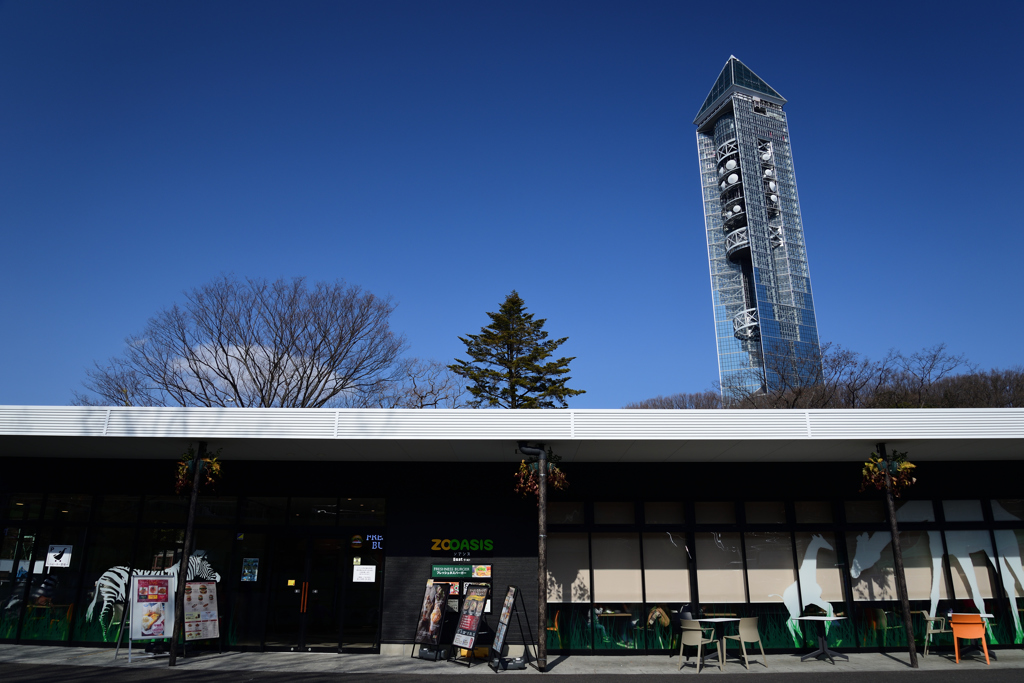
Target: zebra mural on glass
{"x": 112, "y": 586}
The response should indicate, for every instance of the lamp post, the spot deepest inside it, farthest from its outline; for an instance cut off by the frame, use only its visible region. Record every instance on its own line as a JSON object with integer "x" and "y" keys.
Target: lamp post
{"x": 537, "y": 451}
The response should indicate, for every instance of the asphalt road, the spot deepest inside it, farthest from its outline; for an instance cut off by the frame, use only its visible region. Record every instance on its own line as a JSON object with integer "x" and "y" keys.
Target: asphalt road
{"x": 25, "y": 673}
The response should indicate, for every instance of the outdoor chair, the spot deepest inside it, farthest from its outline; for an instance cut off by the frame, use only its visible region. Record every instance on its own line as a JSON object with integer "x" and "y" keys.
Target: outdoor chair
{"x": 555, "y": 629}
{"x": 749, "y": 634}
{"x": 878, "y": 619}
{"x": 968, "y": 627}
{"x": 930, "y": 628}
{"x": 692, "y": 635}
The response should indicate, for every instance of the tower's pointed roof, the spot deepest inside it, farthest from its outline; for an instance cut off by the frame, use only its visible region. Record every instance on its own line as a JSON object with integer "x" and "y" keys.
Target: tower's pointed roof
{"x": 737, "y": 76}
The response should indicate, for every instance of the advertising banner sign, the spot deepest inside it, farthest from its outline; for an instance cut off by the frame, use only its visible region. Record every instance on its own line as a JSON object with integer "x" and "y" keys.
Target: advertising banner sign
{"x": 201, "y": 620}
{"x": 152, "y": 607}
{"x": 451, "y": 571}
{"x": 471, "y": 615}
{"x": 506, "y": 614}
{"x": 250, "y": 568}
{"x": 428, "y": 628}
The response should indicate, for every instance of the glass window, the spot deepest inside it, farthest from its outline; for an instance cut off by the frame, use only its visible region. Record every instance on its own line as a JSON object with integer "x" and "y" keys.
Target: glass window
{"x": 813, "y": 512}
{"x": 715, "y": 513}
{"x": 119, "y": 509}
{"x": 314, "y": 511}
{"x": 865, "y": 512}
{"x": 216, "y": 509}
{"x": 770, "y": 569}
{"x": 666, "y": 567}
{"x": 766, "y": 513}
{"x": 25, "y": 506}
{"x": 617, "y": 568}
{"x": 16, "y": 566}
{"x": 664, "y": 513}
{"x": 109, "y": 550}
{"x": 568, "y": 568}
{"x": 962, "y": 510}
{"x": 1008, "y": 510}
{"x": 922, "y": 564}
{"x": 819, "y": 571}
{"x": 68, "y": 508}
{"x": 565, "y": 513}
{"x": 248, "y": 598}
{"x": 158, "y": 549}
{"x": 264, "y": 510}
{"x": 614, "y": 513}
{"x": 719, "y": 567}
{"x": 165, "y": 510}
{"x": 872, "y": 575}
{"x": 50, "y": 602}
{"x": 361, "y": 511}
{"x": 969, "y": 559}
{"x": 1010, "y": 544}
{"x": 914, "y": 511}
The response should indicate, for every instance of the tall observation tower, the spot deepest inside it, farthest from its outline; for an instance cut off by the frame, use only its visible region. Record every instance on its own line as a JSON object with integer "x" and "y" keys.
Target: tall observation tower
{"x": 760, "y": 285}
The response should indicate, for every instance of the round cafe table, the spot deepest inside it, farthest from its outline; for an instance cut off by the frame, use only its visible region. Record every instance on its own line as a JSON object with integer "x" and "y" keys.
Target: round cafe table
{"x": 719, "y": 656}
{"x": 822, "y": 639}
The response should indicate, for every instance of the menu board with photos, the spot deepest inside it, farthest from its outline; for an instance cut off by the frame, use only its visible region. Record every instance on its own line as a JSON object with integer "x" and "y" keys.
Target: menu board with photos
{"x": 471, "y": 615}
{"x": 201, "y": 619}
{"x": 435, "y": 602}
{"x": 152, "y": 608}
{"x": 506, "y": 614}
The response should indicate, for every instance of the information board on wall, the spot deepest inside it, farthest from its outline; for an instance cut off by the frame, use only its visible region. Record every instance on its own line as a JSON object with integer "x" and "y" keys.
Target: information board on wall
{"x": 152, "y": 608}
{"x": 435, "y": 601}
{"x": 201, "y": 618}
{"x": 471, "y": 615}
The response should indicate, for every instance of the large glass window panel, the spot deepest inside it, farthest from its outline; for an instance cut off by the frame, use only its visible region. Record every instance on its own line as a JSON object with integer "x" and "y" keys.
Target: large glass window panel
{"x": 872, "y": 570}
{"x": 614, "y": 513}
{"x": 759, "y": 512}
{"x": 103, "y": 584}
{"x": 664, "y": 513}
{"x": 962, "y": 510}
{"x": 568, "y": 568}
{"x": 264, "y": 510}
{"x": 1010, "y": 544}
{"x": 15, "y": 575}
{"x": 813, "y": 512}
{"x": 362, "y": 511}
{"x": 68, "y": 507}
{"x": 216, "y": 510}
{"x": 248, "y": 599}
{"x": 914, "y": 511}
{"x": 1008, "y": 510}
{"x": 25, "y": 506}
{"x": 666, "y": 568}
{"x": 770, "y": 569}
{"x": 715, "y": 513}
{"x": 122, "y": 509}
{"x": 719, "y": 567}
{"x": 865, "y": 512}
{"x": 565, "y": 513}
{"x": 821, "y": 582}
{"x": 313, "y": 511}
{"x": 159, "y": 549}
{"x": 617, "y": 568}
{"x": 50, "y": 603}
{"x": 970, "y": 554}
{"x": 165, "y": 509}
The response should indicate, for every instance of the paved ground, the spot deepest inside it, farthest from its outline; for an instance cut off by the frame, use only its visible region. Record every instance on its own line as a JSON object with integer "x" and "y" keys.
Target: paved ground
{"x": 22, "y": 663}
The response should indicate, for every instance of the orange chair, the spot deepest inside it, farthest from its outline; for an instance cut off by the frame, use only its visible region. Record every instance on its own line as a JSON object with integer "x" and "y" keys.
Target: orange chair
{"x": 555, "y": 629}
{"x": 968, "y": 627}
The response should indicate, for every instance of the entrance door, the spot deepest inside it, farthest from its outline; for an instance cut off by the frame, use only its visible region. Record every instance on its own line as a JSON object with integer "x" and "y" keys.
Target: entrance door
{"x": 315, "y": 603}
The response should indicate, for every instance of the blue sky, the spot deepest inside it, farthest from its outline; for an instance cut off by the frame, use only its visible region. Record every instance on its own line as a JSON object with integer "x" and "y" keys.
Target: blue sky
{"x": 446, "y": 153}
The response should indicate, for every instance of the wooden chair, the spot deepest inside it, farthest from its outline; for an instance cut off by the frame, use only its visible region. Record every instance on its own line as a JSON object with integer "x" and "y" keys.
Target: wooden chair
{"x": 968, "y": 627}
{"x": 555, "y": 629}
{"x": 749, "y": 634}
{"x": 693, "y": 635}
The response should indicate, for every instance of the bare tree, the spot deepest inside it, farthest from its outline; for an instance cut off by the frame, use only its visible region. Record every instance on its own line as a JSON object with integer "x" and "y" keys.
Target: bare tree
{"x": 701, "y": 400}
{"x": 256, "y": 343}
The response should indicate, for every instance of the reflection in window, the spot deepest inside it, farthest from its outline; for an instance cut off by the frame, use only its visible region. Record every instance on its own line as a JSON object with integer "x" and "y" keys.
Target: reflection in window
{"x": 25, "y": 506}
{"x": 766, "y": 513}
{"x": 813, "y": 512}
{"x": 68, "y": 508}
{"x": 962, "y": 510}
{"x": 865, "y": 512}
{"x": 264, "y": 510}
{"x": 216, "y": 510}
{"x": 565, "y": 513}
{"x": 666, "y": 567}
{"x": 972, "y": 565}
{"x": 715, "y": 513}
{"x": 568, "y": 568}
{"x": 314, "y": 511}
{"x": 719, "y": 567}
{"x": 871, "y": 566}
{"x": 123, "y": 509}
{"x": 770, "y": 568}
{"x": 1010, "y": 544}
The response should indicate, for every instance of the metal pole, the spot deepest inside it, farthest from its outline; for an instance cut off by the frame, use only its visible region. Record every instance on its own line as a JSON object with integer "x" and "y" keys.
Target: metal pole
{"x": 186, "y": 553}
{"x": 897, "y": 552}
{"x": 542, "y": 560}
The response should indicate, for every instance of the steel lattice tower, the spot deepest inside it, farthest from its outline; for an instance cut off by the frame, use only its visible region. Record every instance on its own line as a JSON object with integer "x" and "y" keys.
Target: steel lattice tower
{"x": 760, "y": 284}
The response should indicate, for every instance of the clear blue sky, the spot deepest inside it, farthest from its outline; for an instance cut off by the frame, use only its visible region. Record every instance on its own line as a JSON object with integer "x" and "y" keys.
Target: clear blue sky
{"x": 447, "y": 153}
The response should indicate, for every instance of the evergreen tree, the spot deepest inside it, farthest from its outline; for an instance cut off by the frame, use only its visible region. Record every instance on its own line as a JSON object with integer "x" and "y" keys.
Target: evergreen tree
{"x": 506, "y": 368}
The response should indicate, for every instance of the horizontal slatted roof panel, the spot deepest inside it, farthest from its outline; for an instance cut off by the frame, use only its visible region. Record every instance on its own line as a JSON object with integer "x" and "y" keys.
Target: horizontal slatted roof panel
{"x": 690, "y": 424}
{"x": 918, "y": 423}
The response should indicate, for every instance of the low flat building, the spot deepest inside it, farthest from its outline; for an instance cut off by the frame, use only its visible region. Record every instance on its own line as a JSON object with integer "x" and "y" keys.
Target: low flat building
{"x": 327, "y": 525}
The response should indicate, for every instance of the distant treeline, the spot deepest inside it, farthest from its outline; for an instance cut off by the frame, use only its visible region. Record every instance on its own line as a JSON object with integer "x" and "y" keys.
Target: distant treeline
{"x": 930, "y": 378}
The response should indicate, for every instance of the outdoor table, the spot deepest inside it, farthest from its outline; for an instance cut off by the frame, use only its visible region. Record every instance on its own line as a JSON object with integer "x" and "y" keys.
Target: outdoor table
{"x": 719, "y": 635}
{"x": 822, "y": 639}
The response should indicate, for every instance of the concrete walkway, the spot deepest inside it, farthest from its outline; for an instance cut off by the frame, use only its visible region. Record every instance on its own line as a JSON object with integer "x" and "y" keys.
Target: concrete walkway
{"x": 292, "y": 663}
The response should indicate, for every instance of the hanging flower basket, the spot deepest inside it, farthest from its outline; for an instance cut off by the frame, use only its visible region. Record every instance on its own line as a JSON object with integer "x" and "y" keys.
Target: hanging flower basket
{"x": 901, "y": 473}
{"x": 210, "y": 473}
{"x": 528, "y": 476}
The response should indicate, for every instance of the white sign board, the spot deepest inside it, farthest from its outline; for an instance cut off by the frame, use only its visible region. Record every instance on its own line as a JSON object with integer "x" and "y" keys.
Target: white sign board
{"x": 364, "y": 573}
{"x": 58, "y": 556}
{"x": 201, "y": 620}
{"x": 152, "y": 605}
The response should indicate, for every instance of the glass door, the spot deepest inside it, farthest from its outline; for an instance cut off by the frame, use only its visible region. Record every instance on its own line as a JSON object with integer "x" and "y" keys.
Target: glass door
{"x": 362, "y": 578}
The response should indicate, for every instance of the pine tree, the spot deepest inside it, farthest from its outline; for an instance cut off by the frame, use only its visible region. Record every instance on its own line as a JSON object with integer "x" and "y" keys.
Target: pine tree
{"x": 506, "y": 368}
